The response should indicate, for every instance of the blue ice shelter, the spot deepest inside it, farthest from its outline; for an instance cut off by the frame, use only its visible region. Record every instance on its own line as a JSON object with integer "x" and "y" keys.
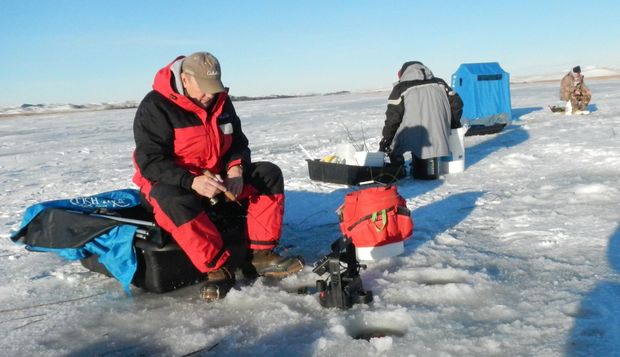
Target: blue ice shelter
{"x": 485, "y": 90}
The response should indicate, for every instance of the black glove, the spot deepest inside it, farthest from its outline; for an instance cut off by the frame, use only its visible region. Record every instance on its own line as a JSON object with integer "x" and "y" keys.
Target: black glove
{"x": 384, "y": 146}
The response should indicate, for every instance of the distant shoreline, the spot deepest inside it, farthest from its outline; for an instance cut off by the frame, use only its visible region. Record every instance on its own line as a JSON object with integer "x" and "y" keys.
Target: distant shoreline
{"x": 134, "y": 106}
{"x": 54, "y": 112}
{"x": 602, "y": 78}
{"x": 247, "y": 98}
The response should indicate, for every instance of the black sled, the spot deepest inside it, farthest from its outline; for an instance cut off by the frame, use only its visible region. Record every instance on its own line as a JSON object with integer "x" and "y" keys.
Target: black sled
{"x": 484, "y": 129}
{"x": 557, "y": 108}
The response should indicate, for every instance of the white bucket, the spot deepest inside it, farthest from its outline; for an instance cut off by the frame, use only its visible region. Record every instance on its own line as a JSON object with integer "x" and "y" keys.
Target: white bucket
{"x": 380, "y": 252}
{"x": 372, "y": 159}
{"x": 346, "y": 152}
{"x": 455, "y": 162}
{"x": 568, "y": 109}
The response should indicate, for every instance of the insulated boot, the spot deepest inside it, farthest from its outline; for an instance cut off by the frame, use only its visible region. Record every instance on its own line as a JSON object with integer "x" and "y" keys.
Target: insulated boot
{"x": 270, "y": 264}
{"x": 218, "y": 284}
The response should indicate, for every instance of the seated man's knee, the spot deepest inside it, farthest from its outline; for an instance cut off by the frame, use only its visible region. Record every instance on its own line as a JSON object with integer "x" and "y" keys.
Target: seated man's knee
{"x": 267, "y": 178}
{"x": 181, "y": 205}
{"x": 185, "y": 200}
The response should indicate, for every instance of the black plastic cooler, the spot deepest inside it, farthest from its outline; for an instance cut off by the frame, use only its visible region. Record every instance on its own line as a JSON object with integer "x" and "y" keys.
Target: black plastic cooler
{"x": 353, "y": 175}
{"x": 160, "y": 269}
{"x": 163, "y": 266}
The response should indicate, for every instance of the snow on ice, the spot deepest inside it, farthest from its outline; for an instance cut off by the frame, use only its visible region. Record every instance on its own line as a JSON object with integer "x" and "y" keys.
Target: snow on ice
{"x": 517, "y": 255}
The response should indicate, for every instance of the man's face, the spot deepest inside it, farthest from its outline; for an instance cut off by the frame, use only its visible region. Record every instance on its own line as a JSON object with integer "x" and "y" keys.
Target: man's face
{"x": 576, "y": 76}
{"x": 194, "y": 92}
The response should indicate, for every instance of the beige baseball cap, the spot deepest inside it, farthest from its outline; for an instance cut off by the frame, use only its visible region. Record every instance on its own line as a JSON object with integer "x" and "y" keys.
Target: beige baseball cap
{"x": 206, "y": 69}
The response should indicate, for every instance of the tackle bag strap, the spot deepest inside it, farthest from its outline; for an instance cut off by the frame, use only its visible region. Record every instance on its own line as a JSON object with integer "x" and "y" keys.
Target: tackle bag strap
{"x": 399, "y": 210}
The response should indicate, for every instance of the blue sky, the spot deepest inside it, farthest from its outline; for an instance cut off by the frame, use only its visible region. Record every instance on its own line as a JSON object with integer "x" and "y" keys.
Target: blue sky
{"x": 95, "y": 51}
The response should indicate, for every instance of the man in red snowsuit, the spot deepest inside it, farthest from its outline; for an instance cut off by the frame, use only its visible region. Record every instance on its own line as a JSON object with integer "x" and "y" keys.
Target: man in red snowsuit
{"x": 190, "y": 148}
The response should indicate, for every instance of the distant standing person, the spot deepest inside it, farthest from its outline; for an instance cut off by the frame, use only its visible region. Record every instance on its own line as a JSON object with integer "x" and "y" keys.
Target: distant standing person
{"x": 189, "y": 149}
{"x": 420, "y": 113}
{"x": 574, "y": 91}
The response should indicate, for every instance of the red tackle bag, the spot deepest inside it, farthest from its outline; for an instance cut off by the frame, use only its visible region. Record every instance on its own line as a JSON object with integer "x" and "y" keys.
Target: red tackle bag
{"x": 375, "y": 216}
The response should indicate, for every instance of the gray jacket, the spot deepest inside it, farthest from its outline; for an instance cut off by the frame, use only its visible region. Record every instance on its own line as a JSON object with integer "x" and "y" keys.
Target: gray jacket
{"x": 419, "y": 114}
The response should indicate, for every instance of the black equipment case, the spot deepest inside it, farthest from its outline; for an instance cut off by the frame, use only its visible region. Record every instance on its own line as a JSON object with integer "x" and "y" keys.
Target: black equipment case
{"x": 162, "y": 264}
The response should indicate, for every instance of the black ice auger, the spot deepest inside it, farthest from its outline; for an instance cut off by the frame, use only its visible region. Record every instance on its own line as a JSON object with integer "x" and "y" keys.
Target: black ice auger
{"x": 343, "y": 286}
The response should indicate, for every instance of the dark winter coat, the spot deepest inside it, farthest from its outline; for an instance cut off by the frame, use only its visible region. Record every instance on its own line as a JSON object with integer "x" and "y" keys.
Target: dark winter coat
{"x": 421, "y": 111}
{"x": 177, "y": 140}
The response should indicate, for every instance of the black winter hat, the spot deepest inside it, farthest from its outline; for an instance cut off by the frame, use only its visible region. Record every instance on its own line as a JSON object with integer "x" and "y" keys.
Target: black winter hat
{"x": 577, "y": 69}
{"x": 405, "y": 65}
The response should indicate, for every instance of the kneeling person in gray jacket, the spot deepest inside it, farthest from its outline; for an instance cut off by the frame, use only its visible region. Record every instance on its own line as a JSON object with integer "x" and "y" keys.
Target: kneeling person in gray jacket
{"x": 420, "y": 113}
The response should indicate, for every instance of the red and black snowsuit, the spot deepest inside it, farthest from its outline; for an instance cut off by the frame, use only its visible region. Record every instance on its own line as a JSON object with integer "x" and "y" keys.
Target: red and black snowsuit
{"x": 176, "y": 140}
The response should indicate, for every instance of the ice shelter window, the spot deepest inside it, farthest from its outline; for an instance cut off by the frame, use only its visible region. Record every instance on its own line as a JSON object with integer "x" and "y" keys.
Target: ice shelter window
{"x": 489, "y": 77}
{"x": 460, "y": 82}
